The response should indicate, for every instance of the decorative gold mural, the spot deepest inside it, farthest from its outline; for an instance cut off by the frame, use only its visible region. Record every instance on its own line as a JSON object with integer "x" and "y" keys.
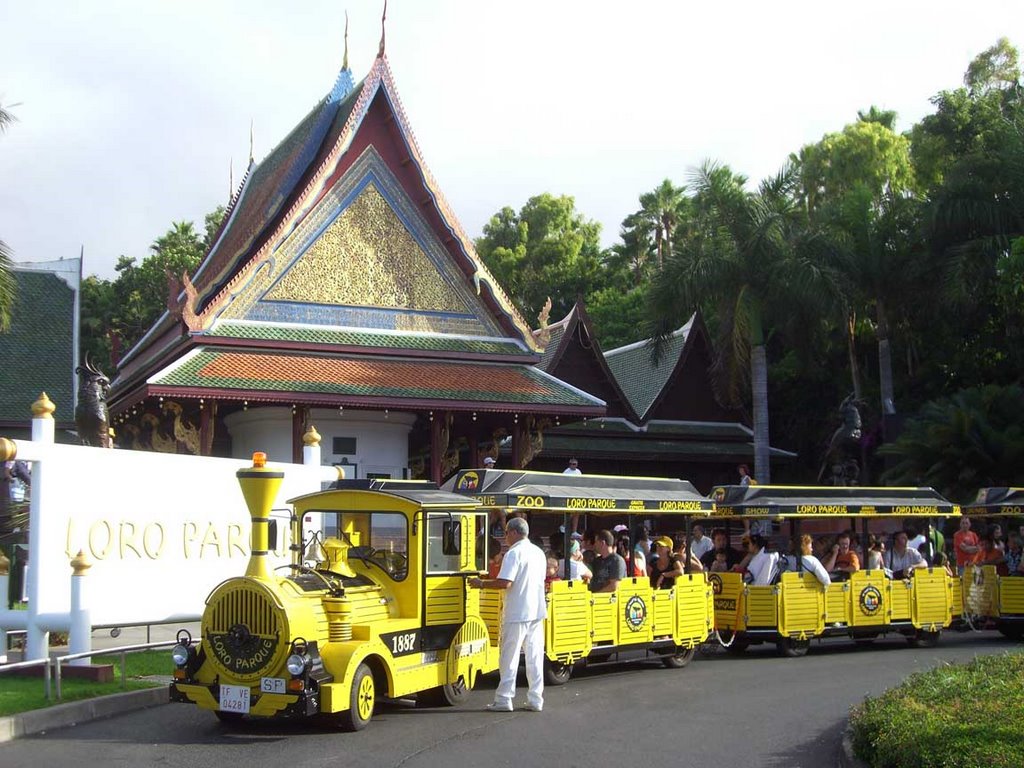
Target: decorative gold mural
{"x": 366, "y": 257}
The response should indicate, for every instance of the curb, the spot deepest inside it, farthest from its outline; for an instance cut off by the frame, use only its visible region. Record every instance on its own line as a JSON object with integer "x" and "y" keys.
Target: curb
{"x": 72, "y": 713}
{"x": 846, "y": 756}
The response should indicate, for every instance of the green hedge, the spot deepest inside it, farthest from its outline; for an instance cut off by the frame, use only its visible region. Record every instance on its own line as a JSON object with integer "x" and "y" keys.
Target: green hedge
{"x": 960, "y": 716}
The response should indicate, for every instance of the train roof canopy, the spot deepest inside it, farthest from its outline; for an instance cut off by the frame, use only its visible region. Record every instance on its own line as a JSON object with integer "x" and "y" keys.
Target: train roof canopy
{"x": 997, "y": 501}
{"x": 592, "y": 494}
{"x": 421, "y": 492}
{"x": 823, "y": 501}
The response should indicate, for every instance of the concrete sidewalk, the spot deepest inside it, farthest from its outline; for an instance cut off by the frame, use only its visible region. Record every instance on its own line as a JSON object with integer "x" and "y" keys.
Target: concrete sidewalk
{"x": 72, "y": 713}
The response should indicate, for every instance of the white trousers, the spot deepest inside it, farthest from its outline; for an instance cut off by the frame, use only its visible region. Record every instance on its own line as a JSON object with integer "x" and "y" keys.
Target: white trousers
{"x": 529, "y": 636}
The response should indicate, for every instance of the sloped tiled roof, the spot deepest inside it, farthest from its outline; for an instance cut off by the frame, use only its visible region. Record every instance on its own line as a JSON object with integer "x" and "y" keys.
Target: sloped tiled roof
{"x": 362, "y": 378}
{"x": 352, "y": 337}
{"x": 639, "y": 378}
{"x": 551, "y": 350}
{"x": 37, "y": 354}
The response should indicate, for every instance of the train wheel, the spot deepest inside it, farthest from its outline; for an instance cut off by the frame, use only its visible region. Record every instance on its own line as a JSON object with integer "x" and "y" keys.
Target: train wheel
{"x": 450, "y": 695}
{"x": 924, "y": 639}
{"x": 679, "y": 658}
{"x": 556, "y": 673}
{"x": 1013, "y": 631}
{"x": 792, "y": 648}
{"x": 737, "y": 645}
{"x": 361, "y": 700}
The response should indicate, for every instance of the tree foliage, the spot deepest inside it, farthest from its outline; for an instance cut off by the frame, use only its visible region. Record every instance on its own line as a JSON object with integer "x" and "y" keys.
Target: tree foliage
{"x": 7, "y": 286}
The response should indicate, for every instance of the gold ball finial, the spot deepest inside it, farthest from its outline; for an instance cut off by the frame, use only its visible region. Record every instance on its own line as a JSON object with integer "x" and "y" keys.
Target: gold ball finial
{"x": 43, "y": 408}
{"x": 8, "y": 449}
{"x": 312, "y": 437}
{"x": 80, "y": 563}
{"x": 5, "y": 565}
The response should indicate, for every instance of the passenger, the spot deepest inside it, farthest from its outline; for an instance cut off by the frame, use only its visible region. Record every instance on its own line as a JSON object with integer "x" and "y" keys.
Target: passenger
{"x": 942, "y": 561}
{"x": 665, "y": 565}
{"x": 695, "y": 564}
{"x": 494, "y": 557}
{"x": 842, "y": 559}
{"x": 965, "y": 545}
{"x": 989, "y": 555}
{"x": 552, "y": 572}
{"x": 741, "y": 566}
{"x": 578, "y": 570}
{"x": 903, "y": 559}
{"x": 876, "y": 555}
{"x": 720, "y": 563}
{"x": 1014, "y": 562}
{"x": 700, "y": 544}
{"x": 609, "y": 568}
{"x": 917, "y": 540}
{"x": 587, "y": 546}
{"x": 997, "y": 537}
{"x": 809, "y": 561}
{"x": 643, "y": 543}
{"x": 496, "y": 523}
{"x": 721, "y": 546}
{"x": 622, "y": 548}
{"x": 763, "y": 565}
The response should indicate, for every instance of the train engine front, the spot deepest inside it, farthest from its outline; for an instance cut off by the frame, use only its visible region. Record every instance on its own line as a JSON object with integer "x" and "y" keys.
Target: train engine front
{"x": 262, "y": 634}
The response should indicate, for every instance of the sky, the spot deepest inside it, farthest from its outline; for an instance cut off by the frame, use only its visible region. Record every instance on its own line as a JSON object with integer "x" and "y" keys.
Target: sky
{"x": 131, "y": 113}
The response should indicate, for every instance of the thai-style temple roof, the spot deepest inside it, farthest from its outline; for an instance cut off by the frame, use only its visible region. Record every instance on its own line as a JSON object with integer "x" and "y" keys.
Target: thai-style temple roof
{"x": 340, "y": 244}
{"x": 643, "y": 382}
{"x": 38, "y": 352}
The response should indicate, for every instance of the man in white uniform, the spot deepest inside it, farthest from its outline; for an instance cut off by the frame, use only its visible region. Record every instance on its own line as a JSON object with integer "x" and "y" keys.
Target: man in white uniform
{"x": 522, "y": 576}
{"x": 573, "y": 468}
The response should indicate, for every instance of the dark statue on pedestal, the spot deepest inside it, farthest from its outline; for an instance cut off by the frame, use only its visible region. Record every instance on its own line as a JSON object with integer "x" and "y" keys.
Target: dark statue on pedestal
{"x": 91, "y": 413}
{"x": 842, "y": 458}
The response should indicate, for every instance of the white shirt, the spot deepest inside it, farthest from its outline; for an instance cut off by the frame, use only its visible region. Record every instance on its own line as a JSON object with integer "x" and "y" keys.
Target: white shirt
{"x": 917, "y": 541}
{"x": 571, "y": 471}
{"x": 577, "y": 570}
{"x": 525, "y": 565}
{"x": 762, "y": 567}
{"x": 898, "y": 562}
{"x": 812, "y": 564}
{"x": 702, "y": 547}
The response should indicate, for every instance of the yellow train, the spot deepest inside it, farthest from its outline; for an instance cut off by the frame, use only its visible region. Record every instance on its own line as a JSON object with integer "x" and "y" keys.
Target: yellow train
{"x": 797, "y": 608}
{"x": 375, "y": 601}
{"x": 990, "y": 598}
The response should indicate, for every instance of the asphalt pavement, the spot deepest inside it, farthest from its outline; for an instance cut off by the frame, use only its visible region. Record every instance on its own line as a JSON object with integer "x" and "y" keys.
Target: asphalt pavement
{"x": 753, "y": 710}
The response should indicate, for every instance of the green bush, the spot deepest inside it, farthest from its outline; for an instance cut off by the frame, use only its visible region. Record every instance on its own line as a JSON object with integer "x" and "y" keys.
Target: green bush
{"x": 960, "y": 716}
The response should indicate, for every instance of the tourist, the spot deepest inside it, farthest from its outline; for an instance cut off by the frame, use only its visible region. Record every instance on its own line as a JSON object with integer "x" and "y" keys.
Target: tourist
{"x": 522, "y": 629}
{"x": 842, "y": 559}
{"x": 965, "y": 545}
{"x": 665, "y": 565}
{"x": 573, "y": 468}
{"x": 609, "y": 568}
{"x": 1014, "y": 561}
{"x": 745, "y": 478}
{"x": 988, "y": 555}
{"x": 623, "y": 549}
{"x": 903, "y": 559}
{"x": 700, "y": 544}
{"x": 721, "y": 546}
{"x": 763, "y": 565}
{"x": 808, "y": 561}
{"x": 695, "y": 565}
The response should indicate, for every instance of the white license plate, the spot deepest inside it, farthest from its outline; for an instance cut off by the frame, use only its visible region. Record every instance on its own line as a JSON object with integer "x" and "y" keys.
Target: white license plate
{"x": 234, "y": 698}
{"x": 271, "y": 685}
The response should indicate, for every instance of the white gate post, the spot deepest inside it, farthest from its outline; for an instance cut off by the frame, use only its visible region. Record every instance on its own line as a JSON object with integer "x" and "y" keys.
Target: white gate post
{"x": 81, "y": 626}
{"x": 311, "y": 447}
{"x": 37, "y": 639}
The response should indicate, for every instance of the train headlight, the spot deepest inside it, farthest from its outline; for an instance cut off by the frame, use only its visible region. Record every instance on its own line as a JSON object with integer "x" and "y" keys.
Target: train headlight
{"x": 180, "y": 654}
{"x": 296, "y": 664}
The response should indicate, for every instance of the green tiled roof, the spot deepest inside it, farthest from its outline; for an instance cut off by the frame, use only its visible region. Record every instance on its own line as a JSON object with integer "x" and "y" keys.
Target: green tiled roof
{"x": 37, "y": 353}
{"x": 640, "y": 380}
{"x": 359, "y": 338}
{"x": 361, "y": 377}
{"x": 549, "y": 351}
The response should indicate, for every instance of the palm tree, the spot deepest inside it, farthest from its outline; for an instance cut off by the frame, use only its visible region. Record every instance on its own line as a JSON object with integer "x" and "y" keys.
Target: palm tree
{"x": 661, "y": 210}
{"x": 7, "y": 287}
{"x": 748, "y": 254}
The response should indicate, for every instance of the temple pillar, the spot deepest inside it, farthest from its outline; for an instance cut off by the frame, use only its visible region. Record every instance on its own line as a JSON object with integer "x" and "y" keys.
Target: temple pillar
{"x": 435, "y": 450}
{"x": 207, "y": 426}
{"x": 517, "y": 445}
{"x": 474, "y": 449}
{"x": 298, "y": 430}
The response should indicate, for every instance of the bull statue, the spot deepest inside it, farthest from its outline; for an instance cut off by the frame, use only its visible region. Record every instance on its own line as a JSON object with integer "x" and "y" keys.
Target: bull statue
{"x": 843, "y": 453}
{"x": 91, "y": 413}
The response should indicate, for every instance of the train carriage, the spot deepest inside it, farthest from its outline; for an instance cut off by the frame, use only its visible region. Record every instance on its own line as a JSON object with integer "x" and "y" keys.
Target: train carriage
{"x": 582, "y": 625}
{"x": 988, "y": 596}
{"x": 797, "y": 608}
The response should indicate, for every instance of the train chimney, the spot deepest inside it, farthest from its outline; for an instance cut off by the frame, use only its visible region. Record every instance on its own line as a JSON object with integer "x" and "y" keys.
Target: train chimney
{"x": 259, "y": 487}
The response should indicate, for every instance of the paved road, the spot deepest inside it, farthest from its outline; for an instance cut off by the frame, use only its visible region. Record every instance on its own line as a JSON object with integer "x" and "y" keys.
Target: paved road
{"x": 757, "y": 710}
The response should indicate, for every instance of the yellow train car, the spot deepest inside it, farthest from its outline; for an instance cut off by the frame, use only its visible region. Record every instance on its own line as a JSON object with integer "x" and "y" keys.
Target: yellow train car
{"x": 588, "y": 626}
{"x": 989, "y": 598}
{"x": 796, "y": 607}
{"x": 374, "y": 603}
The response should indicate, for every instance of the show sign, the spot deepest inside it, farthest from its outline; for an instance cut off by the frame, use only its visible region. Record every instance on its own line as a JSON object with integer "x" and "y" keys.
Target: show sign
{"x": 161, "y": 530}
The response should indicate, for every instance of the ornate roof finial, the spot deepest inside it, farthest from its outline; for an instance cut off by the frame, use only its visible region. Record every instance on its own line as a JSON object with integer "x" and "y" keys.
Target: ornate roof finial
{"x": 383, "y": 18}
{"x": 252, "y": 126}
{"x": 344, "y": 61}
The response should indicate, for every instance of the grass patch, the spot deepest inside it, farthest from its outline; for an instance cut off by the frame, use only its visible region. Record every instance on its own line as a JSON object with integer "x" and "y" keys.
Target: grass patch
{"x": 956, "y": 716}
{"x": 21, "y": 694}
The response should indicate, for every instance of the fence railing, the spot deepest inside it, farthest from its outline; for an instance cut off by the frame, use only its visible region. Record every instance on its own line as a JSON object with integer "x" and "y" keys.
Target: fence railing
{"x": 53, "y": 666}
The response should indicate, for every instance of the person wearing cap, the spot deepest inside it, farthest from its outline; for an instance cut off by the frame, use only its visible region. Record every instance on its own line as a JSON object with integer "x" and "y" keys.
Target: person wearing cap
{"x": 578, "y": 570}
{"x": 609, "y": 568}
{"x": 573, "y": 468}
{"x": 522, "y": 576}
{"x": 489, "y": 462}
{"x": 665, "y": 566}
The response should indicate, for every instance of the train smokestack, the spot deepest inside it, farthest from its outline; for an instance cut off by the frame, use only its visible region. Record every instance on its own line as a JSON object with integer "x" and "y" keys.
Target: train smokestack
{"x": 259, "y": 487}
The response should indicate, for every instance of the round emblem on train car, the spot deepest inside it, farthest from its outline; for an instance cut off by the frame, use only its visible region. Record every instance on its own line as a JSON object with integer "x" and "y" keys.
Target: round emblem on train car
{"x": 469, "y": 481}
{"x": 716, "y": 583}
{"x": 636, "y": 613}
{"x": 719, "y": 494}
{"x": 870, "y": 600}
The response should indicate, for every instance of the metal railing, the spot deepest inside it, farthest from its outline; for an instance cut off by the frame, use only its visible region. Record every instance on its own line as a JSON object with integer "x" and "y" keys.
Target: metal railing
{"x": 123, "y": 651}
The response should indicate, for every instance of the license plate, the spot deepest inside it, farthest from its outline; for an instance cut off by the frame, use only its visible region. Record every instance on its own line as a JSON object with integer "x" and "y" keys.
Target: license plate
{"x": 272, "y": 685}
{"x": 234, "y": 698}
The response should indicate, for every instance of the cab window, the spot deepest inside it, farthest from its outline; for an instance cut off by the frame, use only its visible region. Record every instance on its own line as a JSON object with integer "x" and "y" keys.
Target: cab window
{"x": 444, "y": 543}
{"x": 379, "y": 539}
